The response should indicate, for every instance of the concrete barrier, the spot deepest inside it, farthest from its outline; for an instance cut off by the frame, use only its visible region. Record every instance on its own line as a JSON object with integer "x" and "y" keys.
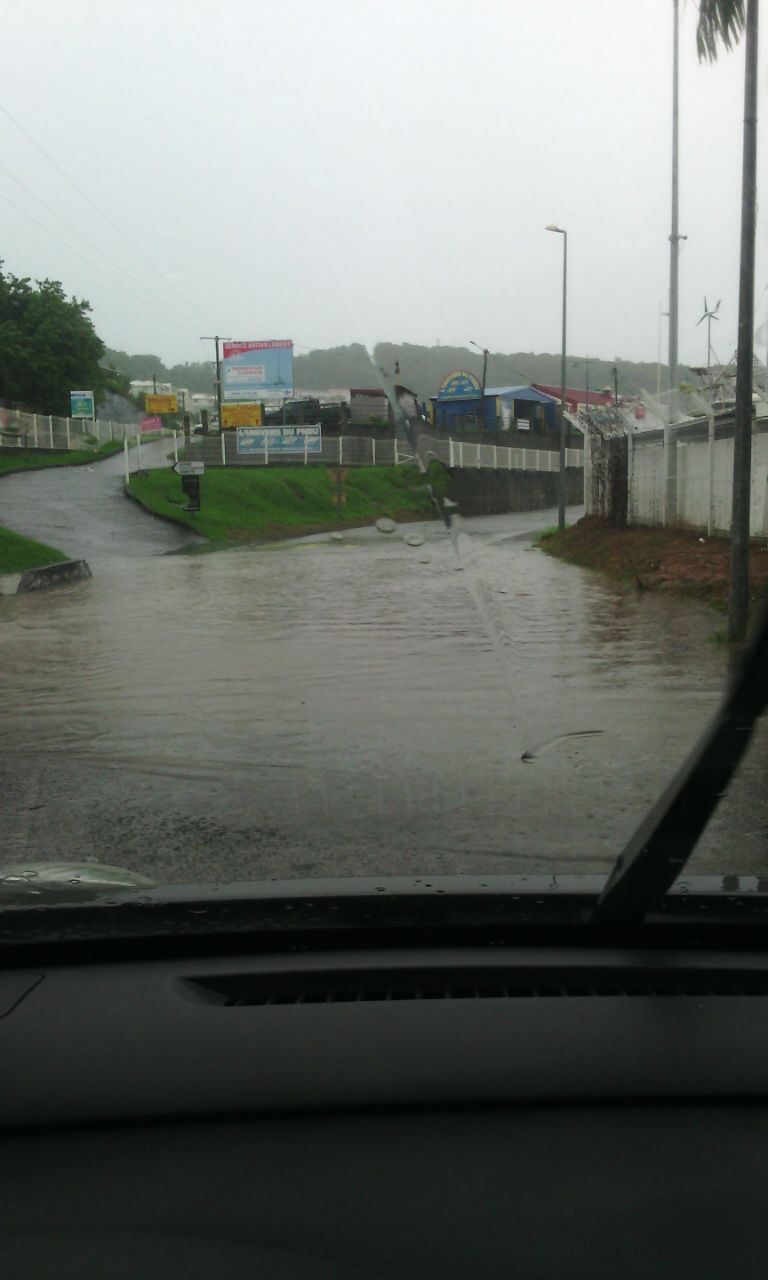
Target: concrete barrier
{"x": 484, "y": 492}
{"x": 54, "y": 575}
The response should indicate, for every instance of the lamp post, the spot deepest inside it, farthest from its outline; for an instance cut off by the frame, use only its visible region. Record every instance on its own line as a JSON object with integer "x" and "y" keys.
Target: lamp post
{"x": 576, "y": 363}
{"x": 561, "y": 490}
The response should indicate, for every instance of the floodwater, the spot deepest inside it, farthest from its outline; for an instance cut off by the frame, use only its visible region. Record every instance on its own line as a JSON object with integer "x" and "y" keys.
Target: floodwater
{"x": 376, "y": 703}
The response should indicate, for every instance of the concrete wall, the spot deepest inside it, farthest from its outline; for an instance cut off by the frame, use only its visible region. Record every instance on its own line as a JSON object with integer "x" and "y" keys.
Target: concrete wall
{"x": 485, "y": 492}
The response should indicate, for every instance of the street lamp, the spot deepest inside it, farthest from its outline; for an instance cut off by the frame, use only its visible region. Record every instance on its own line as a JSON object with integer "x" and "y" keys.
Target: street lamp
{"x": 561, "y": 491}
{"x": 586, "y": 393}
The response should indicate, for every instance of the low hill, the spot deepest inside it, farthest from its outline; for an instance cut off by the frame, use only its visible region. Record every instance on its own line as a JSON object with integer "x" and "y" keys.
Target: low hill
{"x": 421, "y": 368}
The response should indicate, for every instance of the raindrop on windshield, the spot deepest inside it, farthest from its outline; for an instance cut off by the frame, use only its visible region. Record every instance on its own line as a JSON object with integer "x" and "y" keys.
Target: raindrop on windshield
{"x": 385, "y": 525}
{"x": 414, "y": 540}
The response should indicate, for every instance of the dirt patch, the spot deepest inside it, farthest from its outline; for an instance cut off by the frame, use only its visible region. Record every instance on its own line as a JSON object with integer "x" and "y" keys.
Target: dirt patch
{"x": 677, "y": 560}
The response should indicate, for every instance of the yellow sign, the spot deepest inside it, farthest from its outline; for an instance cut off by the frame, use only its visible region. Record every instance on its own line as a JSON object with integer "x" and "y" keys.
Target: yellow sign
{"x": 160, "y": 403}
{"x": 241, "y": 415}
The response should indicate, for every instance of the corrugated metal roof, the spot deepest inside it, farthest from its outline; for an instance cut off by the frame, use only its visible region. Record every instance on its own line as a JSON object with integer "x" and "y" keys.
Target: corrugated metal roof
{"x": 521, "y": 393}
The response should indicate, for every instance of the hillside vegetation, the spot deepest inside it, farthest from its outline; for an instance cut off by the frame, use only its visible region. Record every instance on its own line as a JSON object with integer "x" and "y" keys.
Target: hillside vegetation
{"x": 421, "y": 368}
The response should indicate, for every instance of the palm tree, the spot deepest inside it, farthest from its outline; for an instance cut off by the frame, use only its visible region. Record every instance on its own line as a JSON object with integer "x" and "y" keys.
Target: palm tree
{"x": 721, "y": 22}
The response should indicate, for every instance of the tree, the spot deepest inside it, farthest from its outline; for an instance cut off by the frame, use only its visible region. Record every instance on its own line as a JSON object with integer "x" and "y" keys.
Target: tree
{"x": 48, "y": 345}
{"x": 721, "y": 22}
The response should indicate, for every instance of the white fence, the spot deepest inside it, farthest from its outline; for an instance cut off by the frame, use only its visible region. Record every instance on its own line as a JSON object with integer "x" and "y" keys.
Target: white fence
{"x": 350, "y": 451}
{"x": 685, "y": 476}
{"x": 41, "y": 431}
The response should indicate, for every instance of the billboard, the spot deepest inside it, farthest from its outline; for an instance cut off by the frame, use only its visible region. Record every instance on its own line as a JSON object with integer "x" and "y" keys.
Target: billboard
{"x": 158, "y": 403}
{"x": 81, "y": 404}
{"x": 280, "y": 439}
{"x": 257, "y": 370}
{"x": 241, "y": 415}
{"x": 459, "y": 385}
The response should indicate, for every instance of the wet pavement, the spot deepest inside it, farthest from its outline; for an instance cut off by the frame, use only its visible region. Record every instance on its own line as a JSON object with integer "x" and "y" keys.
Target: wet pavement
{"x": 379, "y": 702}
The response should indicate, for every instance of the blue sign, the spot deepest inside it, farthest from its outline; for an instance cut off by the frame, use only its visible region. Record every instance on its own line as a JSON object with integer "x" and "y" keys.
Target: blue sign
{"x": 459, "y": 385}
{"x": 280, "y": 439}
{"x": 81, "y": 404}
{"x": 253, "y": 371}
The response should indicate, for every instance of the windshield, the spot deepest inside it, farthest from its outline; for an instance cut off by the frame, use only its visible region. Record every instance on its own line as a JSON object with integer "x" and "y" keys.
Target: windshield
{"x": 336, "y": 540}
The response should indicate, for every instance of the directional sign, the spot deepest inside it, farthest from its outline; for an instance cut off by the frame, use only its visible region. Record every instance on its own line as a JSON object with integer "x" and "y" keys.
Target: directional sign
{"x": 189, "y": 468}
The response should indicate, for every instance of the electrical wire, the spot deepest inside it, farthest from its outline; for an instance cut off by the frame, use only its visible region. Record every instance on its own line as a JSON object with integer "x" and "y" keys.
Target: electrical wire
{"x": 94, "y": 248}
{"x": 93, "y": 265}
{"x": 109, "y": 221}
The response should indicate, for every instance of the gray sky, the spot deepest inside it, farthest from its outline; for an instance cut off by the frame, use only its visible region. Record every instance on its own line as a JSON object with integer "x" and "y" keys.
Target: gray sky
{"x": 359, "y": 170}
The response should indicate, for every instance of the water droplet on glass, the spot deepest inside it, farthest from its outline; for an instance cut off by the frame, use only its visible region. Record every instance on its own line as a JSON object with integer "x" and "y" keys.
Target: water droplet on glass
{"x": 337, "y": 537}
{"x": 74, "y": 880}
{"x": 425, "y": 559}
{"x": 414, "y": 540}
{"x": 385, "y": 525}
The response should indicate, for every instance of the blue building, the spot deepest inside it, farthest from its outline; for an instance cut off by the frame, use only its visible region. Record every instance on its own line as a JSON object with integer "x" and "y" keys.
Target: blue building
{"x": 460, "y": 401}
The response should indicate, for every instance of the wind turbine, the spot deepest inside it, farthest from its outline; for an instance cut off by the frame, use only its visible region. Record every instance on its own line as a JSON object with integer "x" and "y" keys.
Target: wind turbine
{"x": 709, "y": 316}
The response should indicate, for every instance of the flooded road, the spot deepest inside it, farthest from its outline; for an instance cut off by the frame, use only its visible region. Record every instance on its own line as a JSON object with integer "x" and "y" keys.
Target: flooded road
{"x": 343, "y": 705}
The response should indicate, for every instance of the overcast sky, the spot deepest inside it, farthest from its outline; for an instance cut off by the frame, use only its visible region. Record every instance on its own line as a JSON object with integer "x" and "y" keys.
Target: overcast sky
{"x": 336, "y": 171}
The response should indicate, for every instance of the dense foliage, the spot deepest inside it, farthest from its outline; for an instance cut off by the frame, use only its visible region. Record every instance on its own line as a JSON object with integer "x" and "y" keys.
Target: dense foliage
{"x": 48, "y": 346}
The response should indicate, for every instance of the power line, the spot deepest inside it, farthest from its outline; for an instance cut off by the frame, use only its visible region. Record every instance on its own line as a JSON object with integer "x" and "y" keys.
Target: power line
{"x": 94, "y": 248}
{"x": 94, "y": 265}
{"x": 89, "y": 201}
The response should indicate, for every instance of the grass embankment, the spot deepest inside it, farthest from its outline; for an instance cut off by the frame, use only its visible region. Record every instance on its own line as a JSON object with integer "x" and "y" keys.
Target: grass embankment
{"x": 245, "y": 504}
{"x": 18, "y": 553}
{"x": 674, "y": 560}
{"x": 35, "y": 459}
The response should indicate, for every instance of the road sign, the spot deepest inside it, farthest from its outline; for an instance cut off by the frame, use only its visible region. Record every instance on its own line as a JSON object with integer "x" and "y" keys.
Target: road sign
{"x": 81, "y": 404}
{"x": 241, "y": 415}
{"x": 189, "y": 468}
{"x": 152, "y": 424}
{"x": 160, "y": 403}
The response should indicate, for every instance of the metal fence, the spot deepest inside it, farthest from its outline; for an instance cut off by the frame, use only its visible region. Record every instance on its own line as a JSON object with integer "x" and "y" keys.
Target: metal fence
{"x": 42, "y": 431}
{"x": 350, "y": 451}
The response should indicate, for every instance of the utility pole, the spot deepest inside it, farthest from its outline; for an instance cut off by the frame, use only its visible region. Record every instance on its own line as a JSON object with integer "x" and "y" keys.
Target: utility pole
{"x": 484, "y": 350}
{"x": 217, "y": 340}
{"x": 738, "y": 609}
{"x": 674, "y": 236}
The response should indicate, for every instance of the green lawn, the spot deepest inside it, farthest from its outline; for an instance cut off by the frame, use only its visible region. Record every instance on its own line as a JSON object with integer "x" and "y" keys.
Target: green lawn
{"x": 18, "y": 553}
{"x": 32, "y": 459}
{"x": 240, "y": 504}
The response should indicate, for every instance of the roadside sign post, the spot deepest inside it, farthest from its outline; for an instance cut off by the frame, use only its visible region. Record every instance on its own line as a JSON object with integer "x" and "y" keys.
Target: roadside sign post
{"x": 190, "y": 473}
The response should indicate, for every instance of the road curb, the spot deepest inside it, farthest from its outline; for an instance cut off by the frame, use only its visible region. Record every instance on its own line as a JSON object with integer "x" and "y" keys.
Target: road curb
{"x": 54, "y": 575}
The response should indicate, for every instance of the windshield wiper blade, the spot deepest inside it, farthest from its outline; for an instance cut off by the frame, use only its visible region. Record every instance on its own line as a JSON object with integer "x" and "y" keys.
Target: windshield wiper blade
{"x": 659, "y": 849}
